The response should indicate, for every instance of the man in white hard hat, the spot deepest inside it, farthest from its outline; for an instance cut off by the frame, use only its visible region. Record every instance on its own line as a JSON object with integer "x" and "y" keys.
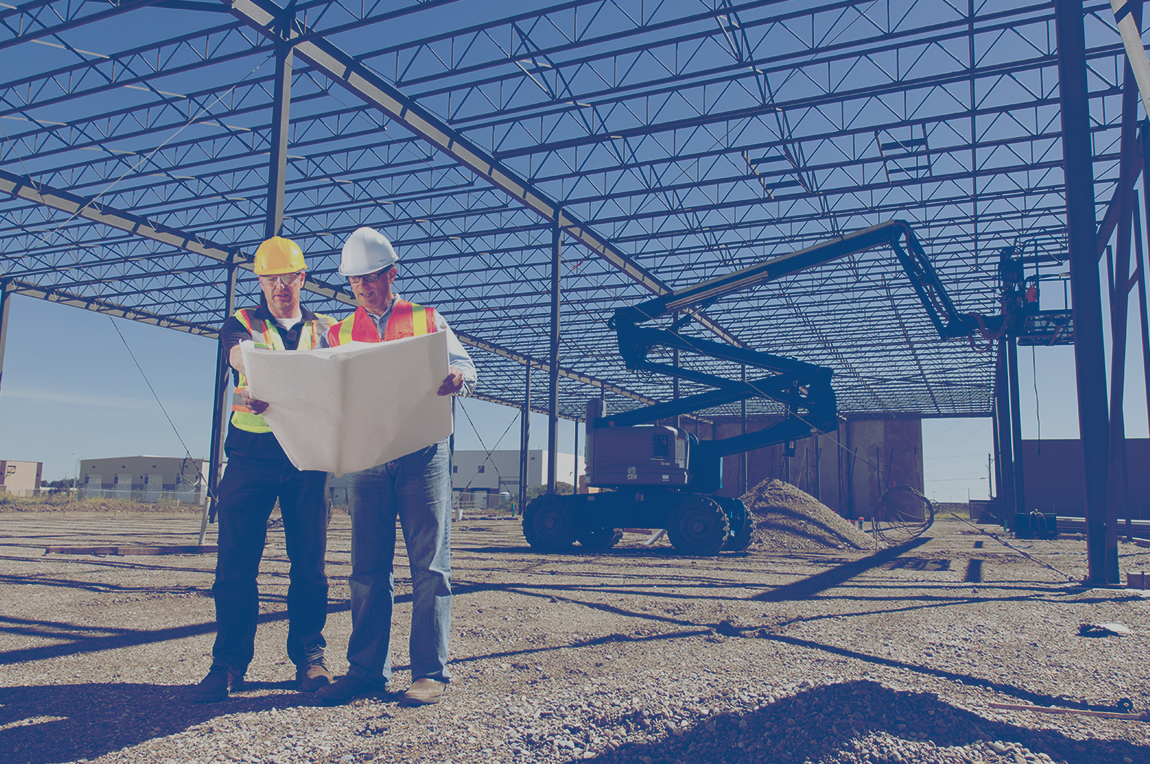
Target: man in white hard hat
{"x": 257, "y": 476}
{"x": 416, "y": 488}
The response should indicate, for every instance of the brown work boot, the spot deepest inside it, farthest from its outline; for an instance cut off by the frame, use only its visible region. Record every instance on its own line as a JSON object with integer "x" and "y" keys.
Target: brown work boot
{"x": 216, "y": 685}
{"x": 313, "y": 675}
{"x": 345, "y": 689}
{"x": 424, "y": 692}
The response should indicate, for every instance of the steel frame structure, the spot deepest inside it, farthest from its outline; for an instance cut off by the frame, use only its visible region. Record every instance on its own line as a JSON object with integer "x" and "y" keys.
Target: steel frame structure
{"x": 147, "y": 147}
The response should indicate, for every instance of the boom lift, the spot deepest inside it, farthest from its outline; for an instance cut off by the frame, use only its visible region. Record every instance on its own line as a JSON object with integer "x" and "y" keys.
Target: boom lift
{"x": 658, "y": 476}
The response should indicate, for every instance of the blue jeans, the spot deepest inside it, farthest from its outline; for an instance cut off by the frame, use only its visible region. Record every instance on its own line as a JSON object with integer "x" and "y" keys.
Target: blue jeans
{"x": 247, "y": 494}
{"x": 416, "y": 488}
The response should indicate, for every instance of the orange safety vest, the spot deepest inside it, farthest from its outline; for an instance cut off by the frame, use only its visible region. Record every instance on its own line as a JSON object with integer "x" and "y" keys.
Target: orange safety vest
{"x": 264, "y": 336}
{"x": 406, "y": 320}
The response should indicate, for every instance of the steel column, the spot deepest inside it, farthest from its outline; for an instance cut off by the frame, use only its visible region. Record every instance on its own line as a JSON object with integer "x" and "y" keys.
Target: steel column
{"x": 281, "y": 126}
{"x": 1119, "y": 266}
{"x": 1015, "y": 428}
{"x": 220, "y": 408}
{"x": 744, "y": 457}
{"x": 1143, "y": 315}
{"x": 1118, "y": 487}
{"x": 5, "y": 305}
{"x": 553, "y": 392}
{"x": 994, "y": 467}
{"x": 1003, "y": 438}
{"x": 1085, "y": 286}
{"x": 524, "y": 437}
{"x": 575, "y": 459}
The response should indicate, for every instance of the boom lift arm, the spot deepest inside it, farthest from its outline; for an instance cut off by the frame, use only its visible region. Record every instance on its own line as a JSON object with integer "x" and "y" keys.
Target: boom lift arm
{"x": 799, "y": 385}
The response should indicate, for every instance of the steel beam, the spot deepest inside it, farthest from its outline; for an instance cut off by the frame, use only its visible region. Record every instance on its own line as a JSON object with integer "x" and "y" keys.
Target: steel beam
{"x": 103, "y": 306}
{"x": 377, "y": 92}
{"x": 27, "y": 189}
{"x": 79, "y": 206}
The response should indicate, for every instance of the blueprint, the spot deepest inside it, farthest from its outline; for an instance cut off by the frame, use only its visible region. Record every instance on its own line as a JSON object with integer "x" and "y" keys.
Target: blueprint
{"x": 348, "y": 408}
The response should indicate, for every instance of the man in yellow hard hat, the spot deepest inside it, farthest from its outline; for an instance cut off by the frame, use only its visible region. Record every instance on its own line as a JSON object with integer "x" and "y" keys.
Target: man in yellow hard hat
{"x": 415, "y": 488}
{"x": 257, "y": 475}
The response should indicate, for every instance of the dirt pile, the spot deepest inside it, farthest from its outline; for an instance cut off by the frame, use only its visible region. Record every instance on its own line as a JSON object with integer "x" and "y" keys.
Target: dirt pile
{"x": 786, "y": 518}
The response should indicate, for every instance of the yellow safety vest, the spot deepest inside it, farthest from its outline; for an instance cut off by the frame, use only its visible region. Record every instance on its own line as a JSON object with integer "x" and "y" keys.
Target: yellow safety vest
{"x": 266, "y": 336}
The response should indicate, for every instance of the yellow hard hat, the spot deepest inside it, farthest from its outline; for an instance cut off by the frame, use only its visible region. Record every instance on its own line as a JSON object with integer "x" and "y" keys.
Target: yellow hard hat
{"x": 279, "y": 255}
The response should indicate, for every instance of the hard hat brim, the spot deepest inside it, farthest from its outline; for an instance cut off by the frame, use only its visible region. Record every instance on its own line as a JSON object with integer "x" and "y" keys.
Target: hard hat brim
{"x": 281, "y": 271}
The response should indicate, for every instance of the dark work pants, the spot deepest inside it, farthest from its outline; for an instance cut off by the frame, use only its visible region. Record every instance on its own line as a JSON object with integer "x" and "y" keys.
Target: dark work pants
{"x": 247, "y": 495}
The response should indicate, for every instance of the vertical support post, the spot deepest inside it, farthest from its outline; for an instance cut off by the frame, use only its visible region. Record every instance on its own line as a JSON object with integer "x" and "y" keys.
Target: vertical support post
{"x": 524, "y": 438}
{"x": 281, "y": 125}
{"x": 5, "y": 304}
{"x": 220, "y": 407}
{"x": 1142, "y": 299}
{"x": 1016, "y": 427}
{"x": 1003, "y": 439}
{"x": 1119, "y": 300}
{"x": 989, "y": 475}
{"x": 994, "y": 462}
{"x": 553, "y": 393}
{"x": 744, "y": 457}
{"x": 1085, "y": 286}
{"x": 575, "y": 459}
{"x": 818, "y": 476}
{"x": 1119, "y": 265}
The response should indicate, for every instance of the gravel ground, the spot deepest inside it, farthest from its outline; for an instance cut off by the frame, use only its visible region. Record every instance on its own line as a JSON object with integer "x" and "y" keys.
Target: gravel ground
{"x": 637, "y": 655}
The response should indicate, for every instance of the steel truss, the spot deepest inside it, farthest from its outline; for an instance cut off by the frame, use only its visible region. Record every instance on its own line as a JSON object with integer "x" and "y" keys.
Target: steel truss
{"x": 146, "y": 147}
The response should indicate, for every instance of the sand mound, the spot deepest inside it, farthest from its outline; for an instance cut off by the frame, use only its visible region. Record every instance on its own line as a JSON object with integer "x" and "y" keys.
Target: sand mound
{"x": 786, "y": 518}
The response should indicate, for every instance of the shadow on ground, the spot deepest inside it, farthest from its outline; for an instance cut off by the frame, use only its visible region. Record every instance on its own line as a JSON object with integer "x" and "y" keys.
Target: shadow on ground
{"x": 39, "y": 725}
{"x": 850, "y": 721}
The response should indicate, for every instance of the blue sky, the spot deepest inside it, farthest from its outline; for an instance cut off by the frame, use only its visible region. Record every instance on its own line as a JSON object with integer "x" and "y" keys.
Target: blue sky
{"x": 81, "y": 395}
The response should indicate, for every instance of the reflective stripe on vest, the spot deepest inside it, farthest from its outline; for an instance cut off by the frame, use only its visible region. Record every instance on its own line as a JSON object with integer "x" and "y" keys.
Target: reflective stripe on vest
{"x": 264, "y": 336}
{"x": 406, "y": 320}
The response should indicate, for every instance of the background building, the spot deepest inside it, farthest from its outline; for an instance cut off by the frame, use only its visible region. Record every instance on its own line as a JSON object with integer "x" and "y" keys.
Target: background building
{"x": 479, "y": 477}
{"x": 145, "y": 478}
{"x": 1054, "y": 470}
{"x": 20, "y": 478}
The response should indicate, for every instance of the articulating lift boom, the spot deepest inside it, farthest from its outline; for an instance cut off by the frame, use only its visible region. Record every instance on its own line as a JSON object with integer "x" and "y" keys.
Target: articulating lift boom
{"x": 661, "y": 476}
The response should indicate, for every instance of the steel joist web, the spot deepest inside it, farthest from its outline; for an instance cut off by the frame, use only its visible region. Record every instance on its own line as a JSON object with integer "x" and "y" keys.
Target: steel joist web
{"x": 672, "y": 142}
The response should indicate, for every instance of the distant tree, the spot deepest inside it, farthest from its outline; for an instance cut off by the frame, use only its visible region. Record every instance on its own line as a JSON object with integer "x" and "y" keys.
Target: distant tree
{"x": 58, "y": 486}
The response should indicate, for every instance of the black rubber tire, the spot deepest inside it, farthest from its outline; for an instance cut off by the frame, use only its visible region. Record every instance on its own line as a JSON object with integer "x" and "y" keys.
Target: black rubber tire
{"x": 548, "y": 524}
{"x": 599, "y": 538}
{"x": 739, "y": 540}
{"x": 698, "y": 526}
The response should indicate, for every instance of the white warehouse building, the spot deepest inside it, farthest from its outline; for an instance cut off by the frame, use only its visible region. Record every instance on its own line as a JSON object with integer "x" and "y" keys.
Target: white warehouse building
{"x": 479, "y": 477}
{"x": 145, "y": 478}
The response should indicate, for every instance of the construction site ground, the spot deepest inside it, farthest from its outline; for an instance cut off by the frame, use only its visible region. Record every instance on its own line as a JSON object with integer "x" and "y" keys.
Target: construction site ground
{"x": 934, "y": 650}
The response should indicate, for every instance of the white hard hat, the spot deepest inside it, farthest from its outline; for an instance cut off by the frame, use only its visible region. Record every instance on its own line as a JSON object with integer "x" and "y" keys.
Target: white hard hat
{"x": 366, "y": 251}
